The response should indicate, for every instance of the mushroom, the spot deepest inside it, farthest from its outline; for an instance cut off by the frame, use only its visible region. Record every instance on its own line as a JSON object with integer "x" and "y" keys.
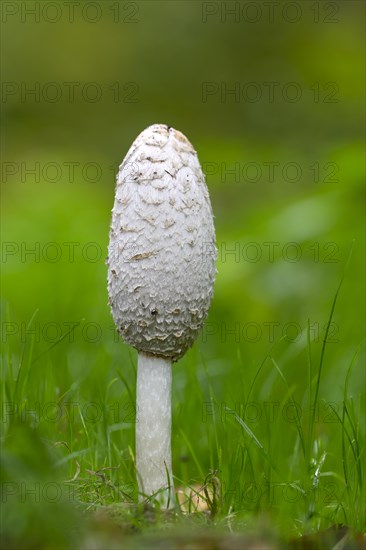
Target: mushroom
{"x": 161, "y": 271}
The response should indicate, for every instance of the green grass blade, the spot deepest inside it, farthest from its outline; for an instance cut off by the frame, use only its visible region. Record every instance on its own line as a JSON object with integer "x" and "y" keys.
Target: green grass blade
{"x": 298, "y": 425}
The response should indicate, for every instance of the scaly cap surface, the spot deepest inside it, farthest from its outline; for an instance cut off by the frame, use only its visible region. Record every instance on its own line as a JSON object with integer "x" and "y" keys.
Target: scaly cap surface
{"x": 162, "y": 252}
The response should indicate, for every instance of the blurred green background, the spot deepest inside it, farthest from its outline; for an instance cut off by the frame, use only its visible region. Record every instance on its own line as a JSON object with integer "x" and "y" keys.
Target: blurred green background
{"x": 272, "y": 98}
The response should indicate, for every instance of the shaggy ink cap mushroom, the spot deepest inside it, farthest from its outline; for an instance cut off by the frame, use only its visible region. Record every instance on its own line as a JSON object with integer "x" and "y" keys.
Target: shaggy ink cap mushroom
{"x": 162, "y": 245}
{"x": 161, "y": 271}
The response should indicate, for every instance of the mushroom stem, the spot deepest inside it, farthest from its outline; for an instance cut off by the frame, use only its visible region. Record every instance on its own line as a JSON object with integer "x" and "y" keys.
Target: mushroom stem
{"x": 153, "y": 429}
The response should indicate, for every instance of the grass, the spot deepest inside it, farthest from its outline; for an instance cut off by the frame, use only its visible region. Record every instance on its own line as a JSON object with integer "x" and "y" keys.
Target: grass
{"x": 281, "y": 456}
{"x": 268, "y": 431}
{"x": 268, "y": 406}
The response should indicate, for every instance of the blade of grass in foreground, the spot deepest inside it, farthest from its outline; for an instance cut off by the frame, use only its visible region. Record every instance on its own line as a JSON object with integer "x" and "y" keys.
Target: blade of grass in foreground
{"x": 345, "y": 395}
{"x": 249, "y": 432}
{"x": 314, "y": 401}
{"x": 322, "y": 354}
{"x": 213, "y": 399}
{"x": 126, "y": 385}
{"x": 298, "y": 425}
{"x": 267, "y": 356}
{"x": 24, "y": 366}
{"x": 310, "y": 394}
{"x": 194, "y": 456}
{"x": 57, "y": 342}
{"x": 355, "y": 448}
{"x": 8, "y": 380}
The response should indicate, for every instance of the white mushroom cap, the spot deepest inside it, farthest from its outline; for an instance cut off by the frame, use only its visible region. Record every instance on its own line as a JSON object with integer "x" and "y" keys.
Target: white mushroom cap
{"x": 162, "y": 250}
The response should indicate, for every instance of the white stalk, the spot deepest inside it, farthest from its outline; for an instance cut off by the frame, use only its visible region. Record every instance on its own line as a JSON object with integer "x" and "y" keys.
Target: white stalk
{"x": 153, "y": 428}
